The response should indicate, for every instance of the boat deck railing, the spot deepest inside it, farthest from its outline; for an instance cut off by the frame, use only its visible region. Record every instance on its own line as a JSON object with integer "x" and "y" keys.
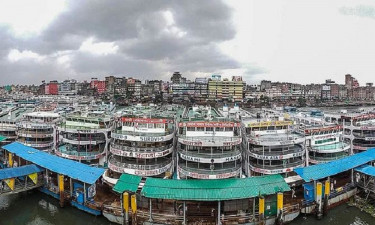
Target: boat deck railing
{"x": 214, "y": 154}
{"x": 140, "y": 149}
{"x": 280, "y": 166}
{"x": 146, "y": 134}
{"x": 74, "y": 151}
{"x": 229, "y": 168}
{"x": 162, "y": 162}
{"x": 294, "y": 149}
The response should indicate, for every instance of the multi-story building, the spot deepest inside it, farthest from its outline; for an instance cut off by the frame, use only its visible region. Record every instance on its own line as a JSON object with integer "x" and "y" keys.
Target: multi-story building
{"x": 226, "y": 90}
{"x": 84, "y": 136}
{"x": 68, "y": 87}
{"x": 98, "y": 85}
{"x": 36, "y": 130}
{"x": 134, "y": 87}
{"x": 52, "y": 88}
{"x": 200, "y": 89}
{"x": 209, "y": 145}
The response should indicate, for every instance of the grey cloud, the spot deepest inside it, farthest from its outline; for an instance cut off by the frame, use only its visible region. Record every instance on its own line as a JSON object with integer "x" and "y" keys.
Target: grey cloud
{"x": 148, "y": 46}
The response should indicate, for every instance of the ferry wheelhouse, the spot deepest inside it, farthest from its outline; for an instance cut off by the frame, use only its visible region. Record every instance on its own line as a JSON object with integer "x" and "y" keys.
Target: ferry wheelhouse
{"x": 273, "y": 145}
{"x": 209, "y": 145}
{"x": 85, "y": 137}
{"x": 8, "y": 122}
{"x": 143, "y": 142}
{"x": 36, "y": 130}
{"x": 359, "y": 129}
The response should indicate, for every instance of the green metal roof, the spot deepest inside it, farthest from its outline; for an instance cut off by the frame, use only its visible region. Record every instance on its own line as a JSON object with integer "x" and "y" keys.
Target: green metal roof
{"x": 2, "y": 138}
{"x": 214, "y": 190}
{"x": 127, "y": 182}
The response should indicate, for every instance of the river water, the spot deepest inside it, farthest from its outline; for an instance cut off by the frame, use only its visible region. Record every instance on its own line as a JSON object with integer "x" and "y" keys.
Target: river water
{"x": 38, "y": 209}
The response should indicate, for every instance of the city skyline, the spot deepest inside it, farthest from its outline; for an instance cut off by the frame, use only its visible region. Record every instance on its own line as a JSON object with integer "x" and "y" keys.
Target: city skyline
{"x": 288, "y": 42}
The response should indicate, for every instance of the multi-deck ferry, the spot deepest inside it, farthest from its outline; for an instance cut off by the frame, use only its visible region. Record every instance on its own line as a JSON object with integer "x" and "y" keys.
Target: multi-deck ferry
{"x": 324, "y": 140}
{"x": 8, "y": 122}
{"x": 272, "y": 144}
{"x": 143, "y": 142}
{"x": 84, "y": 136}
{"x": 325, "y": 144}
{"x": 36, "y": 130}
{"x": 359, "y": 129}
{"x": 209, "y": 145}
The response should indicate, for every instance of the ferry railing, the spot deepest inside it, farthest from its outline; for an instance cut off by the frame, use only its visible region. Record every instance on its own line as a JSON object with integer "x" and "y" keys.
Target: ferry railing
{"x": 226, "y": 153}
{"x": 155, "y": 165}
{"x": 277, "y": 138}
{"x": 259, "y": 151}
{"x": 211, "y": 139}
{"x": 62, "y": 126}
{"x": 37, "y": 142}
{"x": 140, "y": 149}
{"x": 234, "y": 168}
{"x": 281, "y": 166}
{"x": 340, "y": 145}
{"x": 328, "y": 158}
{"x": 76, "y": 153}
{"x": 139, "y": 133}
{"x": 78, "y": 139}
{"x": 34, "y": 132}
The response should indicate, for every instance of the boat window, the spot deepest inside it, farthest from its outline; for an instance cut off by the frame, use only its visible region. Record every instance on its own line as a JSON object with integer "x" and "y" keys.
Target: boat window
{"x": 190, "y": 128}
{"x": 209, "y": 129}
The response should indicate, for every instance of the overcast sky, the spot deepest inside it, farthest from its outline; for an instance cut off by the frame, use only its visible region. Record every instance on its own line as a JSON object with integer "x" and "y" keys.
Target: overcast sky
{"x": 289, "y": 40}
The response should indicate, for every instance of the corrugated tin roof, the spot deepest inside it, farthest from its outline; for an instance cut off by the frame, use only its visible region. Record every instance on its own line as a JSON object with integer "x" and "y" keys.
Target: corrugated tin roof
{"x": 127, "y": 182}
{"x": 213, "y": 190}
{"x": 366, "y": 169}
{"x": 70, "y": 168}
{"x": 19, "y": 171}
{"x": 2, "y": 138}
{"x": 324, "y": 170}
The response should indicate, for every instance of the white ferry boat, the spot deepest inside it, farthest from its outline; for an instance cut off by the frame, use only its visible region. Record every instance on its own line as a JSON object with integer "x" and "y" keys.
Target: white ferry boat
{"x": 209, "y": 145}
{"x": 36, "y": 130}
{"x": 85, "y": 137}
{"x": 272, "y": 144}
{"x": 359, "y": 129}
{"x": 9, "y": 118}
{"x": 143, "y": 142}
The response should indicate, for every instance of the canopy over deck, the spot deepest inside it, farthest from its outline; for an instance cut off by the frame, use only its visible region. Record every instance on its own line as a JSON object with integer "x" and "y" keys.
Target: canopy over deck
{"x": 19, "y": 171}
{"x": 70, "y": 168}
{"x": 213, "y": 190}
{"x": 366, "y": 169}
{"x": 334, "y": 167}
{"x": 127, "y": 182}
{"x": 2, "y": 138}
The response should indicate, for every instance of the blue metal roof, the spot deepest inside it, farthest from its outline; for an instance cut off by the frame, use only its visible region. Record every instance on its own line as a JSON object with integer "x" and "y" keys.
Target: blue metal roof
{"x": 70, "y": 168}
{"x": 19, "y": 171}
{"x": 334, "y": 167}
{"x": 366, "y": 169}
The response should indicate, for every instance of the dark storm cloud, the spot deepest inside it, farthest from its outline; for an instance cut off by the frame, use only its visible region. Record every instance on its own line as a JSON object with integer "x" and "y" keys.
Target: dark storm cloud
{"x": 148, "y": 42}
